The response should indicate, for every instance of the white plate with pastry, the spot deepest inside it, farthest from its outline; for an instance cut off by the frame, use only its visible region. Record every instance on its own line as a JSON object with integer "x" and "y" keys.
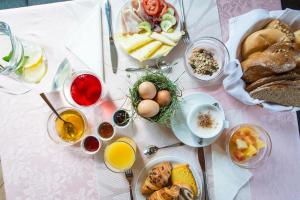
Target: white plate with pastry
{"x": 171, "y": 176}
{"x": 179, "y": 124}
{"x": 145, "y": 35}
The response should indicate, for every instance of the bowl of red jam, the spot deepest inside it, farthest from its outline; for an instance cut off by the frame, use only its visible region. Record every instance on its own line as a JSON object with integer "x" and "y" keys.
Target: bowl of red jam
{"x": 83, "y": 89}
{"x": 91, "y": 144}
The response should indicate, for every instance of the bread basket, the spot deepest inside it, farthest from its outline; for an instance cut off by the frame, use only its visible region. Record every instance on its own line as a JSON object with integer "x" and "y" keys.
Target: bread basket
{"x": 239, "y": 28}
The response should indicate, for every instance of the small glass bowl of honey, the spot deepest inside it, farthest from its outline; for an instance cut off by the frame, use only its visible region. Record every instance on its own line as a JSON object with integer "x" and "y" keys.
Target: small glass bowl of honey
{"x": 59, "y": 134}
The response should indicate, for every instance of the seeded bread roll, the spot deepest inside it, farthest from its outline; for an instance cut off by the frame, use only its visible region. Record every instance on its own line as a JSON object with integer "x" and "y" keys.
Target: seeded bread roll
{"x": 278, "y": 58}
{"x": 283, "y": 27}
{"x": 261, "y": 40}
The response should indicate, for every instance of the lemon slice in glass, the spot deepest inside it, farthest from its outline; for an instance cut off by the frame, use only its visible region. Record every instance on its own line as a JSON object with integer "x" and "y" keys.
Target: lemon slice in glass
{"x": 35, "y": 74}
{"x": 34, "y": 56}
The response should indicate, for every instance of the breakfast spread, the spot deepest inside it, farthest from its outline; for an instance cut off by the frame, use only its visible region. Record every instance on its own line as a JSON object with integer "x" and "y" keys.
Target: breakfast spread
{"x": 170, "y": 181}
{"x": 271, "y": 64}
{"x": 245, "y": 144}
{"x": 149, "y": 29}
{"x": 203, "y": 62}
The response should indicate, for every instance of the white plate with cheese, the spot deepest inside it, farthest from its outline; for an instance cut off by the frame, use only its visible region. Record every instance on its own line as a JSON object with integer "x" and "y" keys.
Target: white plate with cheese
{"x": 147, "y": 46}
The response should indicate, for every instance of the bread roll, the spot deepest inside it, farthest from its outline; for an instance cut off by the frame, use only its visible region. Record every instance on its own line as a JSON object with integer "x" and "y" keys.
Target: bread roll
{"x": 297, "y": 36}
{"x": 283, "y": 27}
{"x": 165, "y": 193}
{"x": 157, "y": 178}
{"x": 262, "y": 39}
{"x": 278, "y": 58}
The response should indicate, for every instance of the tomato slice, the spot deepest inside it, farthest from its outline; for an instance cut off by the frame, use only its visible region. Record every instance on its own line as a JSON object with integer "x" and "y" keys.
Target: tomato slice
{"x": 151, "y": 7}
{"x": 164, "y": 8}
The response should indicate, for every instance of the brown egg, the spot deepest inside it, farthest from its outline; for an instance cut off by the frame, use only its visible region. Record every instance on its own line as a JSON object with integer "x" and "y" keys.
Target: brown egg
{"x": 148, "y": 108}
{"x": 163, "y": 98}
{"x": 147, "y": 90}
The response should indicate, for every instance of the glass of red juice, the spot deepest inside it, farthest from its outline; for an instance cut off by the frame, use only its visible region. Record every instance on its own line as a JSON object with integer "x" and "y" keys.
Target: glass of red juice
{"x": 83, "y": 88}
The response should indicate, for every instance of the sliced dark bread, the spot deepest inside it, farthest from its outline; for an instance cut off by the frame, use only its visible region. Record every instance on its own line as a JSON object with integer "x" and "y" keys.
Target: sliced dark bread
{"x": 283, "y": 92}
{"x": 291, "y": 76}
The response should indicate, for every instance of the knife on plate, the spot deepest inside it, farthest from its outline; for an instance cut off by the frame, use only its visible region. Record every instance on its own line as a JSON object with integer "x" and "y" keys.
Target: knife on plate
{"x": 113, "y": 50}
{"x": 202, "y": 164}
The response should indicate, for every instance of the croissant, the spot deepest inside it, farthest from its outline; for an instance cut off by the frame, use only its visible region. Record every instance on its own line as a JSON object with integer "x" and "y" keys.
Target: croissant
{"x": 157, "y": 178}
{"x": 165, "y": 193}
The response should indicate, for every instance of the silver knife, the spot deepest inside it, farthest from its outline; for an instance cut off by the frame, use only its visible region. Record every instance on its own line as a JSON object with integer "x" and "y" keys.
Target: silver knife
{"x": 113, "y": 50}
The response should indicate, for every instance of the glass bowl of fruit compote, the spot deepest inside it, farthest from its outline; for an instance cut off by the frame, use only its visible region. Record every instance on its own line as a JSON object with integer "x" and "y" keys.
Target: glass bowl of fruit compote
{"x": 83, "y": 89}
{"x": 248, "y": 145}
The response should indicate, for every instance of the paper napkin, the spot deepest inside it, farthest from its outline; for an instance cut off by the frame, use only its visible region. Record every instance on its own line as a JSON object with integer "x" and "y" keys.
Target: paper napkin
{"x": 229, "y": 180}
{"x": 85, "y": 41}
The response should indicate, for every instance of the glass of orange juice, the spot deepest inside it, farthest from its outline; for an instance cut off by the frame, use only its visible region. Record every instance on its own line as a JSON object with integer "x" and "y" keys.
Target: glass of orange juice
{"x": 119, "y": 156}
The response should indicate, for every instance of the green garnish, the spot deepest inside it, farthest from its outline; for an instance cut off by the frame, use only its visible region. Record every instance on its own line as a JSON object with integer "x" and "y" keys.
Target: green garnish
{"x": 166, "y": 25}
{"x": 171, "y": 11}
{"x": 145, "y": 27}
{"x": 8, "y": 57}
{"x": 20, "y": 68}
{"x": 169, "y": 17}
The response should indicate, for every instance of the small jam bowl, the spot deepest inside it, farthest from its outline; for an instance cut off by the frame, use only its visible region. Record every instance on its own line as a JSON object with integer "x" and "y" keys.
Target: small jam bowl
{"x": 101, "y": 125}
{"x": 124, "y": 125}
{"x": 262, "y": 155}
{"x": 218, "y": 119}
{"x": 90, "y": 144}
{"x": 220, "y": 54}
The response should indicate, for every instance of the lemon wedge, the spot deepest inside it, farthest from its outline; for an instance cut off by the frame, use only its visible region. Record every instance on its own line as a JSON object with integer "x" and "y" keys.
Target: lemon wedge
{"x": 34, "y": 56}
{"x": 35, "y": 74}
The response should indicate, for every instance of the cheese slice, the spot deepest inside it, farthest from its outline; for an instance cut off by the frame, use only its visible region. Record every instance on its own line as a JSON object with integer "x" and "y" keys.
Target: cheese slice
{"x": 146, "y": 51}
{"x": 164, "y": 50}
{"x": 162, "y": 38}
{"x": 175, "y": 36}
{"x": 132, "y": 42}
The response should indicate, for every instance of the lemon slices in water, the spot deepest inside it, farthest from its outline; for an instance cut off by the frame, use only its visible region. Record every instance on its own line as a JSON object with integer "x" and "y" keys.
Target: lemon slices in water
{"x": 34, "y": 56}
{"x": 35, "y": 74}
{"x": 34, "y": 66}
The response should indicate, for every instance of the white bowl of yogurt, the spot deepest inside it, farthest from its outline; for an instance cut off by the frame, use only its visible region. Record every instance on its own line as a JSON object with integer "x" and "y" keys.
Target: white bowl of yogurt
{"x": 206, "y": 121}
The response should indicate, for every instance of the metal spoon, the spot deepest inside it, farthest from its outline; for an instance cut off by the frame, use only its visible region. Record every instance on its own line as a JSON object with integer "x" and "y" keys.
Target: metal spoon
{"x": 165, "y": 69}
{"x": 68, "y": 126}
{"x": 152, "y": 149}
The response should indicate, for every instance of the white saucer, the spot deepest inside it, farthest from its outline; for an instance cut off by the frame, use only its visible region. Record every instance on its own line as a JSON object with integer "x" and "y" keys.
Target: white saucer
{"x": 178, "y": 122}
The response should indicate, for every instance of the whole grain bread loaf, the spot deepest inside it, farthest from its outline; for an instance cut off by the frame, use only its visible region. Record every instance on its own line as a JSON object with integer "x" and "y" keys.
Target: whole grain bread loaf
{"x": 282, "y": 92}
{"x": 291, "y": 76}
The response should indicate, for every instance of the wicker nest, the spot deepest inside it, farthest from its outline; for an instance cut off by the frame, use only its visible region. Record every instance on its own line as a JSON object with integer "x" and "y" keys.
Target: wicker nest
{"x": 162, "y": 83}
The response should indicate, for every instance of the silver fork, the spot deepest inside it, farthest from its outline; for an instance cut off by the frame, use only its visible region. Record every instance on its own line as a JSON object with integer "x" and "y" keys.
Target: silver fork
{"x": 186, "y": 37}
{"x": 129, "y": 177}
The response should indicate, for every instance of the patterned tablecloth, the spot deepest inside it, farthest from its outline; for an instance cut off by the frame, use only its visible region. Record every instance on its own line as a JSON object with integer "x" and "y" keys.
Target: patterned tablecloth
{"x": 34, "y": 168}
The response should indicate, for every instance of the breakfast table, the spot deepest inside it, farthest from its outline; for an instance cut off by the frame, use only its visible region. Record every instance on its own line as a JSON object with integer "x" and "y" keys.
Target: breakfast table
{"x": 35, "y": 168}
